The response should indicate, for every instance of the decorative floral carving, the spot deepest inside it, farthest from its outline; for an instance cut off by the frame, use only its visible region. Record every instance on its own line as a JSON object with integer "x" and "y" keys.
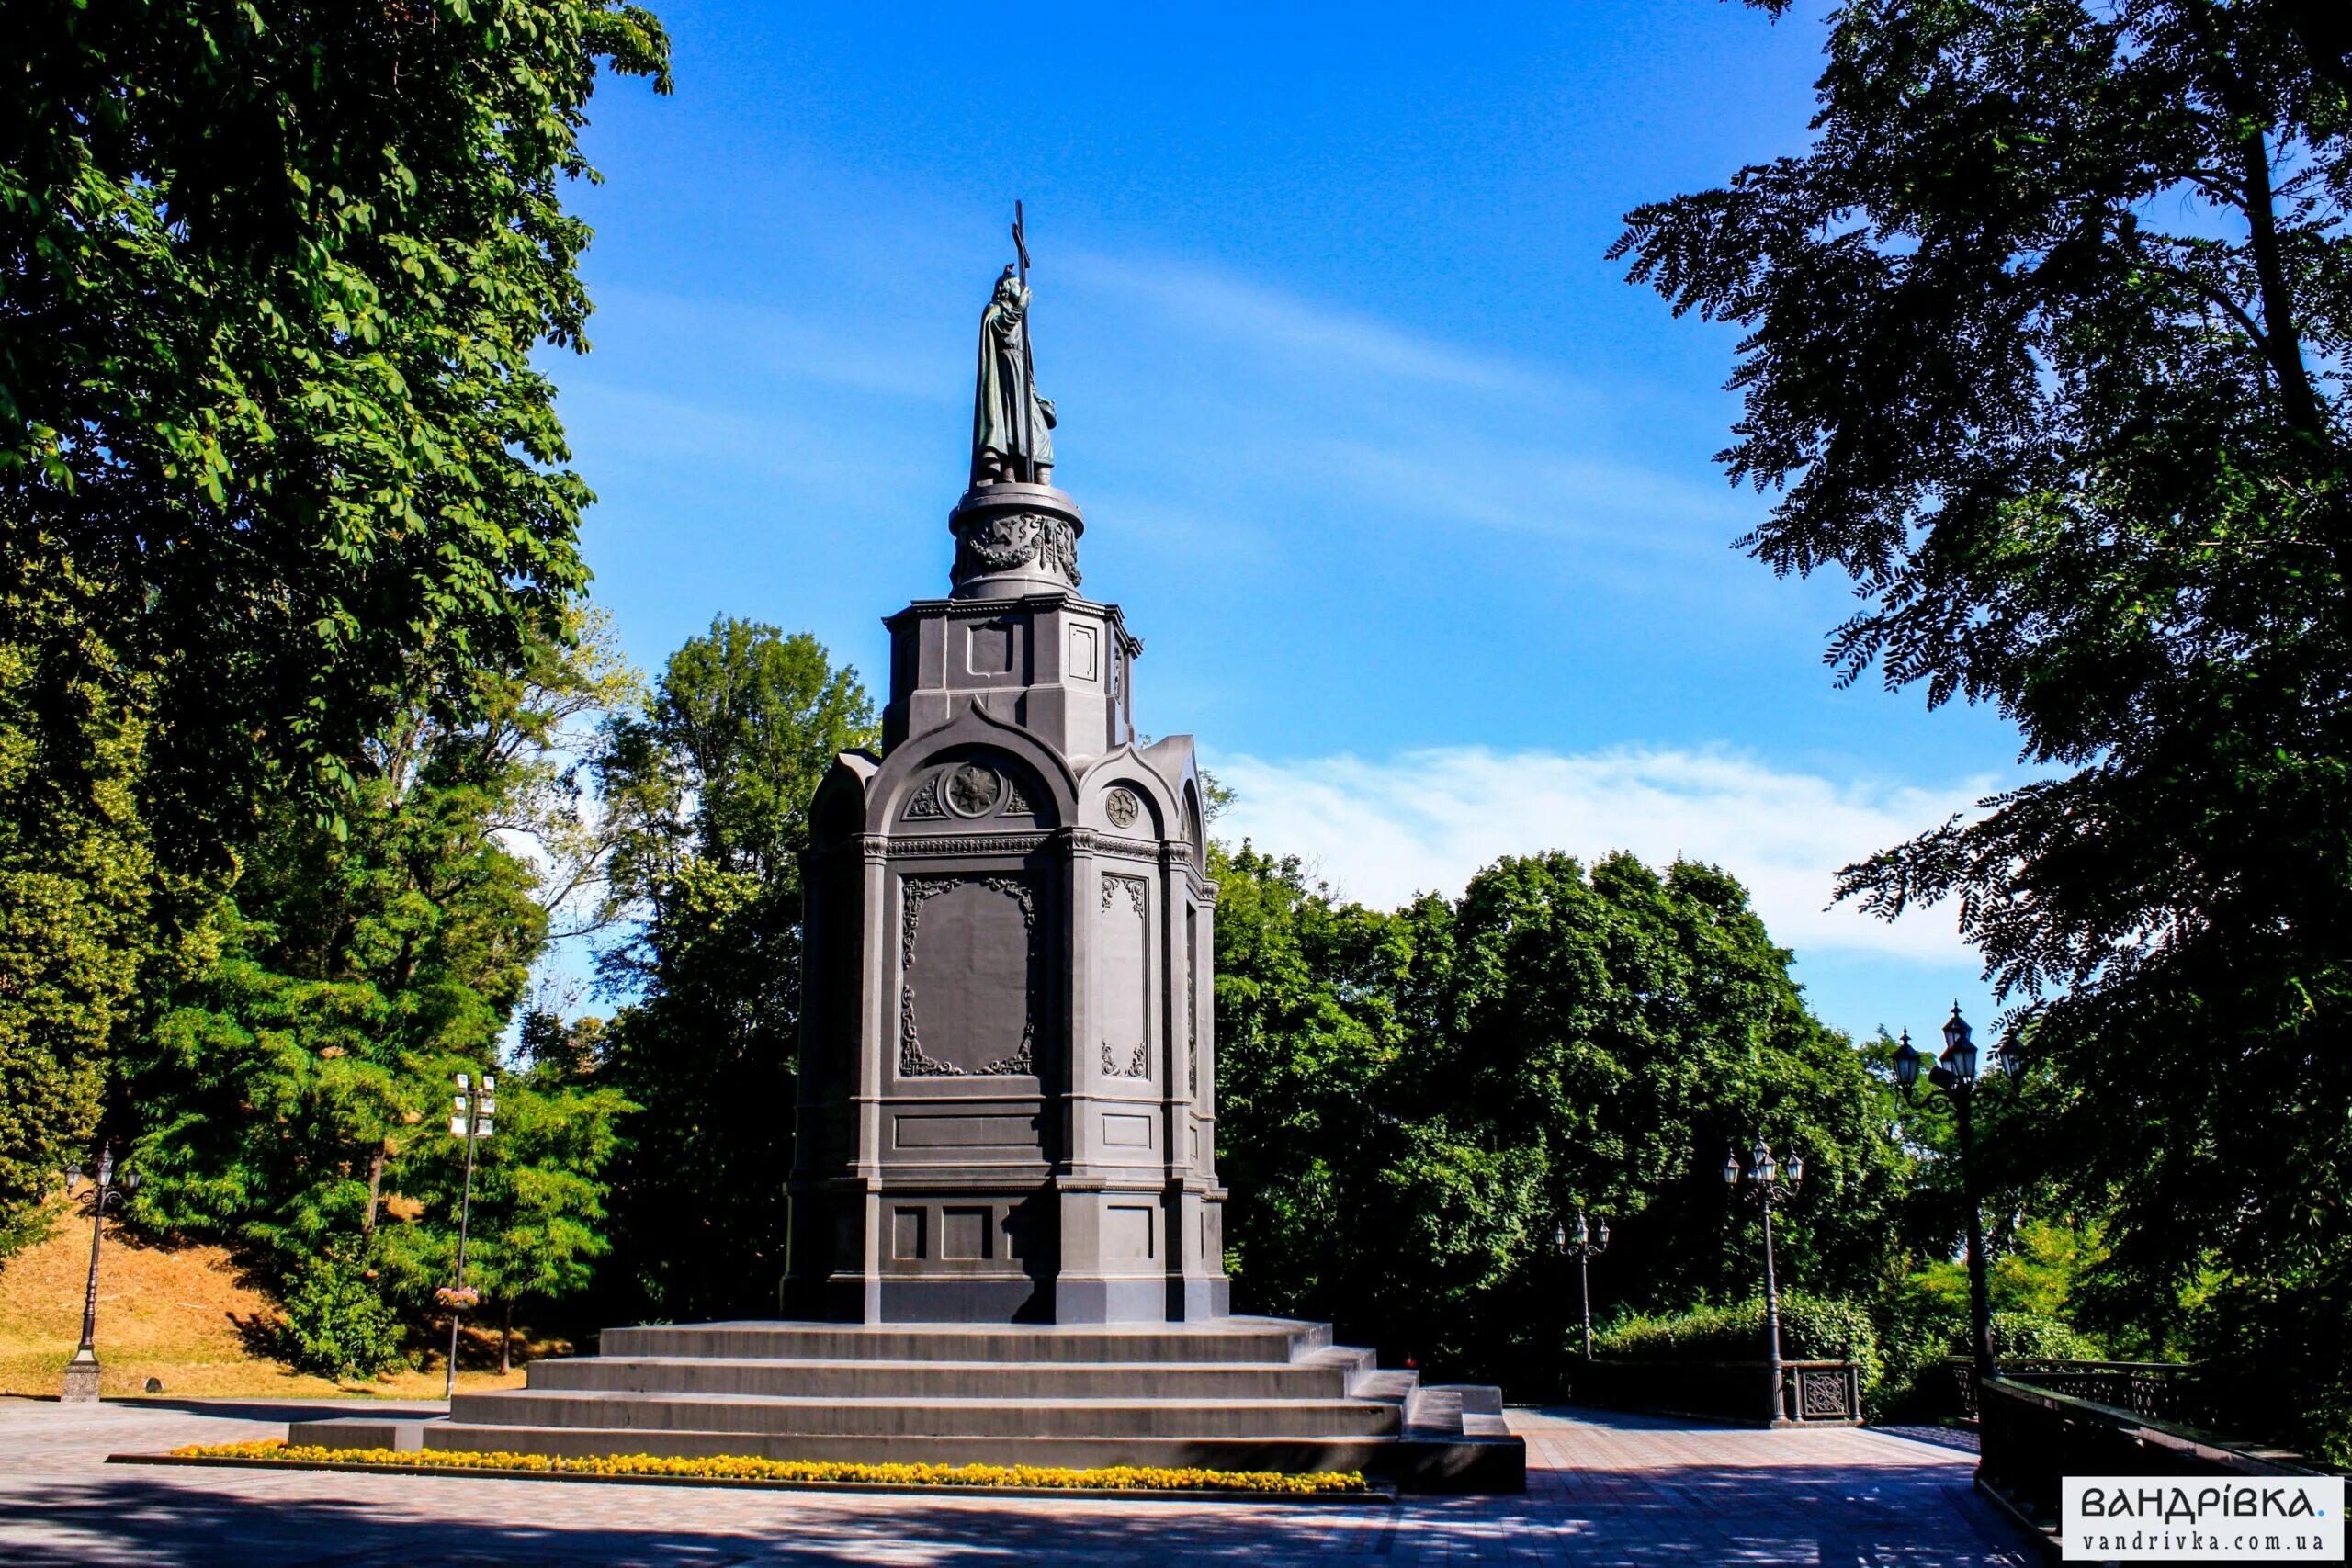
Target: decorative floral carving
{"x": 1057, "y": 547}
{"x": 1130, "y": 849}
{"x": 998, "y": 542}
{"x": 913, "y": 1060}
{"x": 1006, "y": 541}
{"x": 1014, "y": 800}
{"x": 1137, "y": 1066}
{"x": 1137, "y": 891}
{"x": 1122, "y": 808}
{"x": 1192, "y": 1004}
{"x": 926, "y": 800}
{"x": 959, "y": 845}
{"x": 973, "y": 789}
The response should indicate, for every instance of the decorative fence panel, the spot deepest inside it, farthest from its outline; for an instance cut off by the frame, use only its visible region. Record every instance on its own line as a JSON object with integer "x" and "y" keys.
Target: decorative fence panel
{"x": 2160, "y": 1391}
{"x": 1818, "y": 1394}
{"x": 2033, "y": 1438}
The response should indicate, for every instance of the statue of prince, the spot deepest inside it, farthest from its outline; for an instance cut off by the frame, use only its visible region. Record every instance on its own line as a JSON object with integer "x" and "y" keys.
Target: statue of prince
{"x": 1013, "y": 427}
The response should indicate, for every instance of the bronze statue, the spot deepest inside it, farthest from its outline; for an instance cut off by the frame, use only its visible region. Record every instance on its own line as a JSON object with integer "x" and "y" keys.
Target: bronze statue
{"x": 1012, "y": 439}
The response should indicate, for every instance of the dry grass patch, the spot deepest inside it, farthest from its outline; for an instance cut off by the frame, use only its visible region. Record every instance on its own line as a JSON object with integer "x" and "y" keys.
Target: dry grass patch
{"x": 183, "y": 1314}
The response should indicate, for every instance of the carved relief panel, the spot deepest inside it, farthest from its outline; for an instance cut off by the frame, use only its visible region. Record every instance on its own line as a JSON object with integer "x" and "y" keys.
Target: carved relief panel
{"x": 1123, "y": 977}
{"x": 970, "y": 790}
{"x": 969, "y": 966}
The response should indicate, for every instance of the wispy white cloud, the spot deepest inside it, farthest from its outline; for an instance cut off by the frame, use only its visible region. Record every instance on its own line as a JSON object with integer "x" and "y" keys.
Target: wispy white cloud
{"x": 1216, "y": 305}
{"x": 766, "y": 344}
{"x": 1327, "y": 409}
{"x": 1472, "y": 478}
{"x": 1161, "y": 366}
{"x": 1425, "y": 821}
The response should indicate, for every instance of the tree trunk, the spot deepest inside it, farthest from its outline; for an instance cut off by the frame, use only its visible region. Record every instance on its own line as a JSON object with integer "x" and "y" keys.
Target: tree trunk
{"x": 375, "y": 1191}
{"x": 506, "y": 1338}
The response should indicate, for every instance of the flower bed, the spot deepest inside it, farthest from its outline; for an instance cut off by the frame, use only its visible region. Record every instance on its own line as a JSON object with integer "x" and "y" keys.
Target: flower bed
{"x": 739, "y": 1467}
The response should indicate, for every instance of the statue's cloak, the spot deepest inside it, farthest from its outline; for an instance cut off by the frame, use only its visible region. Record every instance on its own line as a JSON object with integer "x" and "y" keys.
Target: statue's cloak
{"x": 1008, "y": 416}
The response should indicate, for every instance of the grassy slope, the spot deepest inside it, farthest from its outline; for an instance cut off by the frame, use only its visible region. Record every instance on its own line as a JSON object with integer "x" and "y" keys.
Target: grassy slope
{"x": 169, "y": 1312}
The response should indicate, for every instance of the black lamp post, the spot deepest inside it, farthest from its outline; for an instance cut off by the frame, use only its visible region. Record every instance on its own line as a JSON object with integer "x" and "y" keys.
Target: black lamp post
{"x": 1955, "y": 1074}
{"x": 82, "y": 1372}
{"x": 1767, "y": 1184}
{"x": 1584, "y": 1246}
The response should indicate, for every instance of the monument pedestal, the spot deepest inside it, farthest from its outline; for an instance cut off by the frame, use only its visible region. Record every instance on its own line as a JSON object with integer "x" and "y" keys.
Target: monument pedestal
{"x": 1007, "y": 1091}
{"x": 1226, "y": 1393}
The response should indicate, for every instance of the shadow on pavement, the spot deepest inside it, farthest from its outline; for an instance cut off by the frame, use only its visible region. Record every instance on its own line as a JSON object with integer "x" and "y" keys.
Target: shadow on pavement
{"x": 1918, "y": 1518}
{"x": 287, "y": 1409}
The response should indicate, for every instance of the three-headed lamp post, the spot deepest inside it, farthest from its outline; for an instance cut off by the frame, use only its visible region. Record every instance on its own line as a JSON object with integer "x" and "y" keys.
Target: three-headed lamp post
{"x": 1768, "y": 1184}
{"x": 113, "y": 1181}
{"x": 469, "y": 1119}
{"x": 1955, "y": 1074}
{"x": 1584, "y": 1246}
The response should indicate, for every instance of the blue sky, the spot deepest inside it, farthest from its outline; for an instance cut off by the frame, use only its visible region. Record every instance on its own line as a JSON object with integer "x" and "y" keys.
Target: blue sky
{"x": 1409, "y": 495}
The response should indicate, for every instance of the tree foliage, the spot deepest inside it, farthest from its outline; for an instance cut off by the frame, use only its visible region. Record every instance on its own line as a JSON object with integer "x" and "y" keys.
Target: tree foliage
{"x": 276, "y": 467}
{"x": 2047, "y": 344}
{"x": 709, "y": 784}
{"x": 294, "y": 1096}
{"x": 76, "y": 883}
{"x": 270, "y": 281}
{"x": 1411, "y": 1102}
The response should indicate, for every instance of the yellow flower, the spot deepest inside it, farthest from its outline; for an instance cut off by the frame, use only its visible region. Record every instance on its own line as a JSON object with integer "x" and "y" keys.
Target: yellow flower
{"x": 747, "y": 1467}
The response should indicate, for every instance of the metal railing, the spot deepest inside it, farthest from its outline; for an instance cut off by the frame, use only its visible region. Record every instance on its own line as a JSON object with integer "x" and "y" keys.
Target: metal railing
{"x": 1819, "y": 1393}
{"x": 2032, "y": 1437}
{"x": 2160, "y": 1391}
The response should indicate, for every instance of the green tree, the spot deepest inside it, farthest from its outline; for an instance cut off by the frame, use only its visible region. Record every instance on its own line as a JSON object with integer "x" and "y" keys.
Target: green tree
{"x": 276, "y": 464}
{"x": 271, "y": 278}
{"x": 711, "y": 785}
{"x": 1617, "y": 1030}
{"x": 1307, "y": 1042}
{"x": 1455, "y": 1080}
{"x": 2046, "y": 348}
{"x": 293, "y": 1096}
{"x": 76, "y": 880}
{"x": 538, "y": 1225}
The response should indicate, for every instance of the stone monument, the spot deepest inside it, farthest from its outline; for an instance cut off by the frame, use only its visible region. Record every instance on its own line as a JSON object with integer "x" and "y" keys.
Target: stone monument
{"x": 1005, "y": 1239}
{"x": 1008, "y": 1076}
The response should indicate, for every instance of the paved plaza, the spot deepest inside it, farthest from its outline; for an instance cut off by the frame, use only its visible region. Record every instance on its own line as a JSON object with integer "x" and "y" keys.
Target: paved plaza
{"x": 1603, "y": 1489}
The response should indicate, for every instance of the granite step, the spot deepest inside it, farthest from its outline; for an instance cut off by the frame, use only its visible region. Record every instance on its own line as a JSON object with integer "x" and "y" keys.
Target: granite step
{"x": 1250, "y": 1393}
{"x": 1459, "y": 1466}
{"x": 754, "y": 1415}
{"x": 1218, "y": 1339}
{"x": 1331, "y": 1372}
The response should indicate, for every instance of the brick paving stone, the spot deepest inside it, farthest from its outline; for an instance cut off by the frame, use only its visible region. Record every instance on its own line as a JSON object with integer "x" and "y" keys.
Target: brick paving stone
{"x": 1604, "y": 1492}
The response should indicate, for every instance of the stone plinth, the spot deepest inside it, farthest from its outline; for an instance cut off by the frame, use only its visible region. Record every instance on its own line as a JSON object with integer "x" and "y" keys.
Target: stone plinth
{"x": 1231, "y": 1393}
{"x": 1007, "y": 1106}
{"x": 81, "y": 1380}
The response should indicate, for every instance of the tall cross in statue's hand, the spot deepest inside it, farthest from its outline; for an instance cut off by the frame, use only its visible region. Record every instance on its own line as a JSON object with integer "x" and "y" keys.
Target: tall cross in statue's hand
{"x": 1020, "y": 241}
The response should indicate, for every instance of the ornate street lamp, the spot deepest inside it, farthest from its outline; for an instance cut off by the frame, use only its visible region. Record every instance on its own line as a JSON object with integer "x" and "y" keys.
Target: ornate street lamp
{"x": 469, "y": 1119}
{"x": 1584, "y": 1247}
{"x": 1955, "y": 1074}
{"x": 1768, "y": 1184}
{"x": 82, "y": 1372}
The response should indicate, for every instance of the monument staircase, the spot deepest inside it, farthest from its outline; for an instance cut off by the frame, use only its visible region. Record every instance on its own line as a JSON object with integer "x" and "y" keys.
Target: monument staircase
{"x": 1226, "y": 1393}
